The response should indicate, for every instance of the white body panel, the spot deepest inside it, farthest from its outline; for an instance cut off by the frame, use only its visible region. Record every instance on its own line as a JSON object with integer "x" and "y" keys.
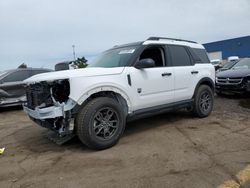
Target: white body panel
{"x": 155, "y": 89}
{"x": 82, "y": 87}
{"x": 185, "y": 81}
{"x": 51, "y": 76}
{"x": 149, "y": 88}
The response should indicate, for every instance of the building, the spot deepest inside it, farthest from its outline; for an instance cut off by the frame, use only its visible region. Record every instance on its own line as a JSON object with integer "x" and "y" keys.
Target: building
{"x": 232, "y": 47}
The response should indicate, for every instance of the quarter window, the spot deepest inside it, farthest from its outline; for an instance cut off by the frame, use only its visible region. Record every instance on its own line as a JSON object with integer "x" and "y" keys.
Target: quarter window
{"x": 201, "y": 54}
{"x": 179, "y": 56}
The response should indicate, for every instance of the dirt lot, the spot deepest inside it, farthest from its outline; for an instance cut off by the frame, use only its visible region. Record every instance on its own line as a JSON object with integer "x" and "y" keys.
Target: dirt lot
{"x": 169, "y": 150}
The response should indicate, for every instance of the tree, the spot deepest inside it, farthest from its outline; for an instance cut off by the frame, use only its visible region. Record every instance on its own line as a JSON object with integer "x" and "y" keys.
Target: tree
{"x": 81, "y": 62}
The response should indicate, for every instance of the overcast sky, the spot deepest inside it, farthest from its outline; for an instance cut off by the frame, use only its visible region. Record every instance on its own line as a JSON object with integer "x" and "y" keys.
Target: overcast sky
{"x": 41, "y": 33}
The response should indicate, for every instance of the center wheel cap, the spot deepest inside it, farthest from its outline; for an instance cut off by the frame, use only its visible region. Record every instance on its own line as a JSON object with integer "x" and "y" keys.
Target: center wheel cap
{"x": 105, "y": 123}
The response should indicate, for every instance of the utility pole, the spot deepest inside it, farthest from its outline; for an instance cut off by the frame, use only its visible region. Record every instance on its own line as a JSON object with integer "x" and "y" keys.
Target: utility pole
{"x": 74, "y": 53}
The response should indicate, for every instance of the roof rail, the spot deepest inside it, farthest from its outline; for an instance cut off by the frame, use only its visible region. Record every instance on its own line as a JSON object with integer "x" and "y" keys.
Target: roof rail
{"x": 159, "y": 38}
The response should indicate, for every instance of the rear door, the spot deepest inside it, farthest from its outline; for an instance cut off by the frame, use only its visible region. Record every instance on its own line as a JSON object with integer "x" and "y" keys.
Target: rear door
{"x": 185, "y": 72}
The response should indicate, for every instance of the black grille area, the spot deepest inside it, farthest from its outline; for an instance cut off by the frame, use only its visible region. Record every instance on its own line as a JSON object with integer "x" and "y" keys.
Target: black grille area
{"x": 38, "y": 95}
{"x": 232, "y": 84}
{"x": 229, "y": 81}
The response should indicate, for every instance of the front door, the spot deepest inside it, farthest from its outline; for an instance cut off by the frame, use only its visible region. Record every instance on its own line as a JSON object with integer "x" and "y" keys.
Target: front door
{"x": 152, "y": 86}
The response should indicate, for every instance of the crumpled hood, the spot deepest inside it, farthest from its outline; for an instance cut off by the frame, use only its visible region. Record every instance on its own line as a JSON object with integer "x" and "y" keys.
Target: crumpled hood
{"x": 234, "y": 73}
{"x": 66, "y": 74}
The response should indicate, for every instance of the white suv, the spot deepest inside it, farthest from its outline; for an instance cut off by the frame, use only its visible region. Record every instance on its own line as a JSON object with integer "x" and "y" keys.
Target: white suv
{"x": 124, "y": 83}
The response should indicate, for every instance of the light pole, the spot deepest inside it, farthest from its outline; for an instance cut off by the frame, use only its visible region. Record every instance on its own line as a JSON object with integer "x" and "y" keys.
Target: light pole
{"x": 74, "y": 53}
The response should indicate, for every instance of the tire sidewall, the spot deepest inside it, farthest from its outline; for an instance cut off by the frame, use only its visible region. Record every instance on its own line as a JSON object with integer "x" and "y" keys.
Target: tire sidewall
{"x": 201, "y": 90}
{"x": 119, "y": 130}
{"x": 86, "y": 124}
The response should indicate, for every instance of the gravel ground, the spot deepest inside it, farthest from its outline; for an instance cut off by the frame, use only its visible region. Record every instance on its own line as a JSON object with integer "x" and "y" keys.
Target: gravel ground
{"x": 169, "y": 150}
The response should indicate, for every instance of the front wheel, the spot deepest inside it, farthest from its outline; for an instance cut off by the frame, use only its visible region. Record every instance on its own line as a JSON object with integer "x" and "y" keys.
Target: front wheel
{"x": 100, "y": 123}
{"x": 203, "y": 101}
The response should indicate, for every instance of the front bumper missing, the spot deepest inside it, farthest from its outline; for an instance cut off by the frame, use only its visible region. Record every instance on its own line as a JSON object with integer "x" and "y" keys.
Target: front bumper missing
{"x": 58, "y": 110}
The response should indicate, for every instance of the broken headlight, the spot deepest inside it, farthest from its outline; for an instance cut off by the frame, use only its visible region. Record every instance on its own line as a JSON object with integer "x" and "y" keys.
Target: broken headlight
{"x": 60, "y": 90}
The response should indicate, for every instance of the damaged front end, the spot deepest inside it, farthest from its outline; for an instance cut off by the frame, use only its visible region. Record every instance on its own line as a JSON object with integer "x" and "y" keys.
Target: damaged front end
{"x": 48, "y": 104}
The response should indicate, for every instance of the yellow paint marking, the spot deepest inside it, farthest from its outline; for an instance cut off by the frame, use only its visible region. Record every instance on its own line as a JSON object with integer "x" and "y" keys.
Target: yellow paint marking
{"x": 243, "y": 176}
{"x": 229, "y": 184}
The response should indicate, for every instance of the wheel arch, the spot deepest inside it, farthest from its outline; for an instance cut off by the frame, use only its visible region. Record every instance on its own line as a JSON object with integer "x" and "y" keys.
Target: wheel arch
{"x": 205, "y": 81}
{"x": 108, "y": 91}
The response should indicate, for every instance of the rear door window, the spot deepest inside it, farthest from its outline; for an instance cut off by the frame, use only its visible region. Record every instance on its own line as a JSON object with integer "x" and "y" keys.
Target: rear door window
{"x": 179, "y": 56}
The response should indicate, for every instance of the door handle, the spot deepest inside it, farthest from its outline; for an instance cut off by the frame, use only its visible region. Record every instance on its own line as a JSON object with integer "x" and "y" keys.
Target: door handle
{"x": 194, "y": 72}
{"x": 166, "y": 74}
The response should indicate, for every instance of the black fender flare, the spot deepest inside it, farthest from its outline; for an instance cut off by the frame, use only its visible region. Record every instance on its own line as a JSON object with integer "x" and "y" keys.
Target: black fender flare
{"x": 205, "y": 81}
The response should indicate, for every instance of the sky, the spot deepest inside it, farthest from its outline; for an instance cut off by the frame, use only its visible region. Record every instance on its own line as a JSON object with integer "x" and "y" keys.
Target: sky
{"x": 41, "y": 33}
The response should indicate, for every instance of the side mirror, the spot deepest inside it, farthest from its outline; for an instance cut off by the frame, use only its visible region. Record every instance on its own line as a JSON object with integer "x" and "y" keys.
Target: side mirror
{"x": 145, "y": 63}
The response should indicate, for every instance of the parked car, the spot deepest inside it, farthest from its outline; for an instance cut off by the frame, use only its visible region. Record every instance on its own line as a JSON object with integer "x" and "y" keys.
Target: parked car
{"x": 236, "y": 79}
{"x": 12, "y": 91}
{"x": 228, "y": 65}
{"x": 233, "y": 58}
{"x": 124, "y": 83}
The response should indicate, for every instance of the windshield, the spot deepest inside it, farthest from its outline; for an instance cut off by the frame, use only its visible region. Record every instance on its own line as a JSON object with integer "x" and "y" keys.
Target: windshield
{"x": 242, "y": 64}
{"x": 229, "y": 65}
{"x": 113, "y": 58}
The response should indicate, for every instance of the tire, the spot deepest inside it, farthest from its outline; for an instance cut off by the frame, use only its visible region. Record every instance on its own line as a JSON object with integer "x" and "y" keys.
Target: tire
{"x": 100, "y": 123}
{"x": 203, "y": 101}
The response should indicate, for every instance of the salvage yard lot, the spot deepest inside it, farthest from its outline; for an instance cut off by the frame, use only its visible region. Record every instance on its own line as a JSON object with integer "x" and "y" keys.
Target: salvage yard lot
{"x": 169, "y": 150}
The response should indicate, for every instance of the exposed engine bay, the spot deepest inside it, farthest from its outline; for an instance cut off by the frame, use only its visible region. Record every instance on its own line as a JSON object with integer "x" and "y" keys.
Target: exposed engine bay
{"x": 46, "y": 94}
{"x": 48, "y": 104}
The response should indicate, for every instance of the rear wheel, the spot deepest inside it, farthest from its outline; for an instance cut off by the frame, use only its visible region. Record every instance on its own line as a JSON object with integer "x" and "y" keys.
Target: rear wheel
{"x": 100, "y": 123}
{"x": 203, "y": 101}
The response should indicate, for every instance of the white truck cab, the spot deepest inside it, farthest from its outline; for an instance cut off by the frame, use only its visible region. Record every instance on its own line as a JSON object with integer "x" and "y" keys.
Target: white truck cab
{"x": 124, "y": 83}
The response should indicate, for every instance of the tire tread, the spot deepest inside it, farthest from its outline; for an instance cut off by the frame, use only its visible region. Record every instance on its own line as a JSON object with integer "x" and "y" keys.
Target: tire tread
{"x": 83, "y": 119}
